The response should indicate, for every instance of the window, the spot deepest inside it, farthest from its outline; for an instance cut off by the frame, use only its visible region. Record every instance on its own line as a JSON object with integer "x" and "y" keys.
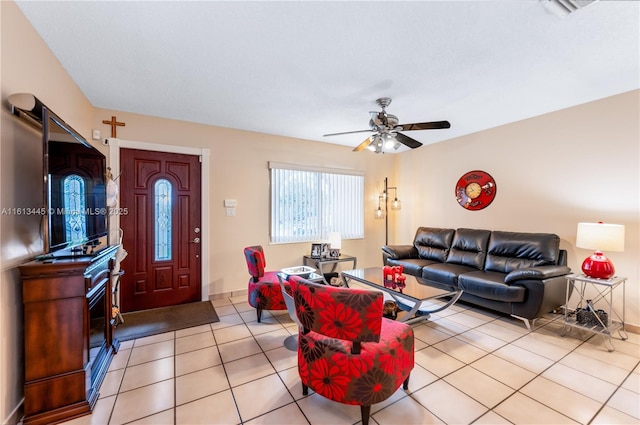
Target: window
{"x": 75, "y": 221}
{"x": 308, "y": 203}
{"x": 162, "y": 219}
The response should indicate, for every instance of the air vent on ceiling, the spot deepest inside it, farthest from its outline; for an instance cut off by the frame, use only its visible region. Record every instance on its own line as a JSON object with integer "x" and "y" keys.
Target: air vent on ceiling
{"x": 565, "y": 7}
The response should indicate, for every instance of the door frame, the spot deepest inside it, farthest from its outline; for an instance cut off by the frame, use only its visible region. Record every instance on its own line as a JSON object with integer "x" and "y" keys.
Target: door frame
{"x": 116, "y": 144}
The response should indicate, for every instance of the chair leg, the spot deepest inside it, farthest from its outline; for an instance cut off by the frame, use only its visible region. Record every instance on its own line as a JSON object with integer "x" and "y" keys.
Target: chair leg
{"x": 365, "y": 411}
{"x": 405, "y": 384}
{"x": 259, "y": 312}
{"x": 305, "y": 390}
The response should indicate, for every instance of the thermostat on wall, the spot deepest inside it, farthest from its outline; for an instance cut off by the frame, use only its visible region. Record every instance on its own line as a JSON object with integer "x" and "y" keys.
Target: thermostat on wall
{"x": 230, "y": 203}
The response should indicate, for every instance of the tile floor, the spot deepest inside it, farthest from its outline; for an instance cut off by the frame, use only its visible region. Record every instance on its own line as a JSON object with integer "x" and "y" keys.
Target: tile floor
{"x": 471, "y": 366}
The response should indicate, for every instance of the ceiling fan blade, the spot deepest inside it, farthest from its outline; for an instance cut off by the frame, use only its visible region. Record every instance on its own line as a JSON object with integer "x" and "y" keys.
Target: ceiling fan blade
{"x": 363, "y": 145}
{"x": 346, "y": 132}
{"x": 434, "y": 125}
{"x": 408, "y": 141}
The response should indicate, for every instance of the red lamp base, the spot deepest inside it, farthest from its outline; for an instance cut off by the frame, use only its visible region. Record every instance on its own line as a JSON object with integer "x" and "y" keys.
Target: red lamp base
{"x": 598, "y": 266}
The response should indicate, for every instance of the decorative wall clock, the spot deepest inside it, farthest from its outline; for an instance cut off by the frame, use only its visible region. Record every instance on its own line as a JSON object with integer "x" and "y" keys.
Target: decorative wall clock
{"x": 475, "y": 190}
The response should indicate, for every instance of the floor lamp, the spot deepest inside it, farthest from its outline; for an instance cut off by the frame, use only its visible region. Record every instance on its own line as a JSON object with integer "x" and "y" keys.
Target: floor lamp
{"x": 395, "y": 205}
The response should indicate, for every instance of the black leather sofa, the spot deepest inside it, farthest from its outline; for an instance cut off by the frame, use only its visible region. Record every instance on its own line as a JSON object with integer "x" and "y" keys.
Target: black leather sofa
{"x": 521, "y": 274}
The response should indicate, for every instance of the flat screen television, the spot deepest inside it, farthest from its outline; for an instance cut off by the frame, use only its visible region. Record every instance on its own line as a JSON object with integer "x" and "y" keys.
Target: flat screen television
{"x": 76, "y": 188}
{"x": 74, "y": 198}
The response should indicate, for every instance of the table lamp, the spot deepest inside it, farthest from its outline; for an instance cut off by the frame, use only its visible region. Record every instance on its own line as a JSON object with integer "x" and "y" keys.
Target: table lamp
{"x": 335, "y": 240}
{"x": 601, "y": 237}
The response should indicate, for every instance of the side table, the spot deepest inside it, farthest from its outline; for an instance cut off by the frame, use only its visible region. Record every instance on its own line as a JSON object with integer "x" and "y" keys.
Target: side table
{"x": 595, "y": 312}
{"x": 317, "y": 263}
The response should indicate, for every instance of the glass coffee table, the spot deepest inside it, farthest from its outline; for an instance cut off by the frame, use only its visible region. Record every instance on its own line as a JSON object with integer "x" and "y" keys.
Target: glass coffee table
{"x": 413, "y": 297}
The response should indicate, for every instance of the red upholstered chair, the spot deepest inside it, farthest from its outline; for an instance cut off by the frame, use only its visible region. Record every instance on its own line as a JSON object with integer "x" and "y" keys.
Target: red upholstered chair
{"x": 264, "y": 287}
{"x": 347, "y": 351}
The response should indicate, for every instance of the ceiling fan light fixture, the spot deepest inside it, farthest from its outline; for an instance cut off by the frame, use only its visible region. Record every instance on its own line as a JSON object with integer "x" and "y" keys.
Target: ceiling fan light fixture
{"x": 372, "y": 143}
{"x": 389, "y": 140}
{"x": 387, "y": 130}
{"x": 376, "y": 144}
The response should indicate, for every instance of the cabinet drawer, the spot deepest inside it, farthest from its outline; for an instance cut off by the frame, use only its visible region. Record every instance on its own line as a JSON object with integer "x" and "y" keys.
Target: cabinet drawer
{"x": 96, "y": 275}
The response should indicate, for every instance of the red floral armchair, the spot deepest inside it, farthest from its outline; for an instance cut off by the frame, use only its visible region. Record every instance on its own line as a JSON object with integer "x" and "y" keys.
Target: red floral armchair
{"x": 347, "y": 351}
{"x": 264, "y": 287}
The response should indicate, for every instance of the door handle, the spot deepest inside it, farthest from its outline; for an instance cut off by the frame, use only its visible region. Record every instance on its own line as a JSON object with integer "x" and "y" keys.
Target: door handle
{"x": 195, "y": 240}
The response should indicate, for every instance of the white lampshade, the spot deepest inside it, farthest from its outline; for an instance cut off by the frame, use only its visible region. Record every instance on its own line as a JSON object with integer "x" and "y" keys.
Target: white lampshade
{"x": 600, "y": 236}
{"x": 335, "y": 240}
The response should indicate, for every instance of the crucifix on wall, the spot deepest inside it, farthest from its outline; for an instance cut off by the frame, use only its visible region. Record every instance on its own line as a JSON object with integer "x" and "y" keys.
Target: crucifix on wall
{"x": 114, "y": 124}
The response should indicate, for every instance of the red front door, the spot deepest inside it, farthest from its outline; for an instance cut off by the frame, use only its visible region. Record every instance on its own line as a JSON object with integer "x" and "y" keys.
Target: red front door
{"x": 161, "y": 193}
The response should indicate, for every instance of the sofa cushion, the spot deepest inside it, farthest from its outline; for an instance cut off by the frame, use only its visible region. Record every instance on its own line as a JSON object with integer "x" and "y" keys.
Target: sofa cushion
{"x": 433, "y": 243}
{"x": 469, "y": 248}
{"x": 490, "y": 285}
{"x": 446, "y": 273}
{"x": 412, "y": 266}
{"x": 509, "y": 251}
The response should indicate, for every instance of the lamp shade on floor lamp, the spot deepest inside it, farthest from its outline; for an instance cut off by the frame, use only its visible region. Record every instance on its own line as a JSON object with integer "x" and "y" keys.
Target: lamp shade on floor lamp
{"x": 601, "y": 237}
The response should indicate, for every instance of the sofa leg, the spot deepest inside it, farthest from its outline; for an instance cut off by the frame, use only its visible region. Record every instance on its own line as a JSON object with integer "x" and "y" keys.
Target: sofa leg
{"x": 259, "y": 313}
{"x": 305, "y": 390}
{"x": 527, "y": 323}
{"x": 405, "y": 384}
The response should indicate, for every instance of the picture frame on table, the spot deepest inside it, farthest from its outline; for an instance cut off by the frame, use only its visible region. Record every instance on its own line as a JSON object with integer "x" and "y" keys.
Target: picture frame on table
{"x": 316, "y": 250}
{"x": 325, "y": 250}
{"x": 334, "y": 253}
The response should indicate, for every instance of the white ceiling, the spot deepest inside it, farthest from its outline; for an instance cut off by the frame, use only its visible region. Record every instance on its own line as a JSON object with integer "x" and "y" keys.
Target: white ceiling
{"x": 303, "y": 69}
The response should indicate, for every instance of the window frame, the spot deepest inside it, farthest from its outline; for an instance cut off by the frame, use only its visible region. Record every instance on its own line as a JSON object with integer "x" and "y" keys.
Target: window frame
{"x": 324, "y": 174}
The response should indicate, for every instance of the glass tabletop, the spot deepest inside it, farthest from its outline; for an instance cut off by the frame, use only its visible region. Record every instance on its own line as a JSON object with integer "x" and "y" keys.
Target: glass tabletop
{"x": 372, "y": 276}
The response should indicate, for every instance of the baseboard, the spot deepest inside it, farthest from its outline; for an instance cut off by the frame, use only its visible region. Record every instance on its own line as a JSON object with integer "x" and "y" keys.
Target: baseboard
{"x": 635, "y": 329}
{"x": 16, "y": 415}
{"x": 228, "y": 294}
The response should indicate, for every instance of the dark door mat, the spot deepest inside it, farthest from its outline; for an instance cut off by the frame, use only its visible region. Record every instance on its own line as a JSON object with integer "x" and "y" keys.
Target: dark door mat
{"x": 143, "y": 323}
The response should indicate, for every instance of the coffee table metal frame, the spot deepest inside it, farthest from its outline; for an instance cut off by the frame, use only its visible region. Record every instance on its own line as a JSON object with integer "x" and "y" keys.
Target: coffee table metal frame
{"x": 413, "y": 295}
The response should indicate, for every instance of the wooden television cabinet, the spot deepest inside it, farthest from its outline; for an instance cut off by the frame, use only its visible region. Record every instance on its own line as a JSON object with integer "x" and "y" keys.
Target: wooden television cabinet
{"x": 68, "y": 334}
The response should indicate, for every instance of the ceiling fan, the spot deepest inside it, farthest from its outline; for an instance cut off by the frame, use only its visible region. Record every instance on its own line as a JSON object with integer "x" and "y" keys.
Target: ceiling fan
{"x": 387, "y": 130}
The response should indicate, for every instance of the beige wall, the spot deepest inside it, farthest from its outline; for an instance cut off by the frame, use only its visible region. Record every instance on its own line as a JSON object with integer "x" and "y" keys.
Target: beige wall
{"x": 239, "y": 171}
{"x": 541, "y": 165}
{"x": 552, "y": 171}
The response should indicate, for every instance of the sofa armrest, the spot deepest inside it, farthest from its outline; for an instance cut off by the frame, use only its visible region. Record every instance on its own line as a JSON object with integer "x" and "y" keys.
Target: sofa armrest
{"x": 537, "y": 273}
{"x": 399, "y": 252}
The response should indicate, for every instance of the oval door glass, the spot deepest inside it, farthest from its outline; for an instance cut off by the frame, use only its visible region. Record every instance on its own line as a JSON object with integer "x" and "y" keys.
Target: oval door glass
{"x": 162, "y": 219}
